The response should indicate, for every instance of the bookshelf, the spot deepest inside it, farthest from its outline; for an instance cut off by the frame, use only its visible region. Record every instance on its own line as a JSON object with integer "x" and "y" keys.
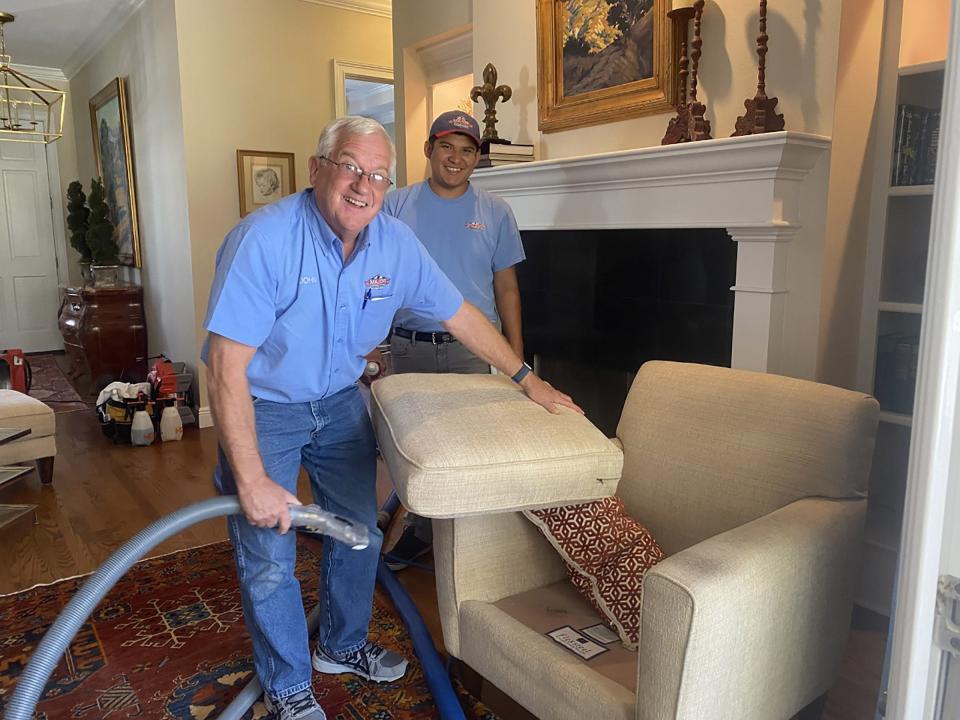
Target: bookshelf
{"x": 896, "y": 264}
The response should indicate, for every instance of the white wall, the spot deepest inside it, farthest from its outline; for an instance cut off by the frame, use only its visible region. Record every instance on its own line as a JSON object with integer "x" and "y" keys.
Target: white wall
{"x": 144, "y": 53}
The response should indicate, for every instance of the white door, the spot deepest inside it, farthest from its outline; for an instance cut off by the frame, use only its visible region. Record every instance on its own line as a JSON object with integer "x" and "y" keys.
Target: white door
{"x": 28, "y": 263}
{"x": 925, "y": 656}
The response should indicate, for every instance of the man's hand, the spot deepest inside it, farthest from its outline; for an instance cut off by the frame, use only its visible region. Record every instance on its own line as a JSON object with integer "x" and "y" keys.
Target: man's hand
{"x": 543, "y": 393}
{"x": 266, "y": 504}
{"x": 374, "y": 356}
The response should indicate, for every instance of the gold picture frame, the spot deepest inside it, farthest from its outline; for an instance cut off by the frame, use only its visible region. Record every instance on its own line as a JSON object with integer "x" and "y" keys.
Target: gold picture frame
{"x": 114, "y": 154}
{"x": 582, "y": 83}
{"x": 263, "y": 178}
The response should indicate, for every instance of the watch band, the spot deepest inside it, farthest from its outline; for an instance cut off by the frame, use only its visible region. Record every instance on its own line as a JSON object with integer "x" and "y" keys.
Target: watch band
{"x": 521, "y": 373}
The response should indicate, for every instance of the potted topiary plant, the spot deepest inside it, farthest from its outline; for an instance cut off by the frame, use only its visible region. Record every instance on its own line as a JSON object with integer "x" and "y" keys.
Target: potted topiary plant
{"x": 78, "y": 221}
{"x": 104, "y": 250}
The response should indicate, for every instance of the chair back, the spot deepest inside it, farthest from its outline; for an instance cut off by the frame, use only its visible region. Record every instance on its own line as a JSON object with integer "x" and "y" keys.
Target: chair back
{"x": 707, "y": 449}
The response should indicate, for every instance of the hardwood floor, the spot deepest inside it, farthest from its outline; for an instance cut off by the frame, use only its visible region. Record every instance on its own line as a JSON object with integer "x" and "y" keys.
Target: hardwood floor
{"x": 102, "y": 494}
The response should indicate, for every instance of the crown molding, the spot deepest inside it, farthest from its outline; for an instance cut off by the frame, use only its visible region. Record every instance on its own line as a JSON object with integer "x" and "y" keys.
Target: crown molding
{"x": 103, "y": 34}
{"x": 380, "y": 8}
{"x": 37, "y": 72}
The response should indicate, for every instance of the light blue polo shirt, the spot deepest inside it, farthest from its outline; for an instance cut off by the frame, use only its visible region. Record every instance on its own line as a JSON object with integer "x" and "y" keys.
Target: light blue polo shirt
{"x": 471, "y": 237}
{"x": 281, "y": 286}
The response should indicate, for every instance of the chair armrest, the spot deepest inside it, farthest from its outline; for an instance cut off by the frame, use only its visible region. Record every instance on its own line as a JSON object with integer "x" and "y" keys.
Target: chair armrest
{"x": 751, "y": 624}
{"x": 488, "y": 558}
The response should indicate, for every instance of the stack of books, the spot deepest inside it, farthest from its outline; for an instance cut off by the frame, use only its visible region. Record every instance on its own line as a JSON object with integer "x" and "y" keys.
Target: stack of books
{"x": 915, "y": 145}
{"x": 896, "y": 373}
{"x": 503, "y": 153}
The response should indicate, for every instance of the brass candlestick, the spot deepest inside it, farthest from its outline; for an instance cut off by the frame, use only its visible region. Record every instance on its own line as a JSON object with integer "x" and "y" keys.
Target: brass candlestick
{"x": 490, "y": 92}
{"x": 761, "y": 115}
{"x": 689, "y": 124}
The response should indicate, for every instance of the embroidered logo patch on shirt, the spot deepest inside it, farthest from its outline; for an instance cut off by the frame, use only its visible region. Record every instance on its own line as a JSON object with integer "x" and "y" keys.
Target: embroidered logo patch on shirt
{"x": 475, "y": 226}
{"x": 377, "y": 281}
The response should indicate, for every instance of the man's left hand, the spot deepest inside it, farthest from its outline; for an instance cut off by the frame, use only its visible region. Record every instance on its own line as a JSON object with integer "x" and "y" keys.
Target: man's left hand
{"x": 543, "y": 393}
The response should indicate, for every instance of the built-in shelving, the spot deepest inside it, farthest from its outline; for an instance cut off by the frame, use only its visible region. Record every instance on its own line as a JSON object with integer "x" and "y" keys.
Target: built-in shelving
{"x": 896, "y": 267}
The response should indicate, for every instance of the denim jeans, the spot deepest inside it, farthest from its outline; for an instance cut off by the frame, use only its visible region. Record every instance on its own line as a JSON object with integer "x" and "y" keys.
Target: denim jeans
{"x": 334, "y": 442}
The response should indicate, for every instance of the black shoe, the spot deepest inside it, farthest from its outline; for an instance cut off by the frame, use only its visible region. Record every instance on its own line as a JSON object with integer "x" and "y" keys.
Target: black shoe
{"x": 407, "y": 549}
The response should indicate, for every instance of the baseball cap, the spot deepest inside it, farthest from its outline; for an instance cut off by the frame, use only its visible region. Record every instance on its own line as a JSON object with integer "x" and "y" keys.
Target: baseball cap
{"x": 456, "y": 121}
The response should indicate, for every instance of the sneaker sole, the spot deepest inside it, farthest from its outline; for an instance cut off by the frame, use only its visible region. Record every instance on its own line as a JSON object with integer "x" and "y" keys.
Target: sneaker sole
{"x": 396, "y": 565}
{"x": 333, "y": 668}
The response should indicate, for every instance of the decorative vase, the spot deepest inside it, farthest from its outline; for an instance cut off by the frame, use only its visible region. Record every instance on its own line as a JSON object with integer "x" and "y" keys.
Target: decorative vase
{"x": 171, "y": 426}
{"x": 105, "y": 275}
{"x": 141, "y": 429}
{"x": 86, "y": 274}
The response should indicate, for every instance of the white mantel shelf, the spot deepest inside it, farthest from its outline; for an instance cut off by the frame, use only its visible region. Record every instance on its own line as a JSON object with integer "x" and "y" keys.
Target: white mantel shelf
{"x": 769, "y": 191}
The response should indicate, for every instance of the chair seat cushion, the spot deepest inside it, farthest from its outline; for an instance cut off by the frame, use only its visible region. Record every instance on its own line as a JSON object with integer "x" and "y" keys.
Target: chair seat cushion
{"x": 461, "y": 445}
{"x": 21, "y": 411}
{"x": 607, "y": 554}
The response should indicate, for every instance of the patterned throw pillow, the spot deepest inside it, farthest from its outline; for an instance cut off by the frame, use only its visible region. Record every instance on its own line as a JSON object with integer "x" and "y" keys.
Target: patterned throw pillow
{"x": 607, "y": 553}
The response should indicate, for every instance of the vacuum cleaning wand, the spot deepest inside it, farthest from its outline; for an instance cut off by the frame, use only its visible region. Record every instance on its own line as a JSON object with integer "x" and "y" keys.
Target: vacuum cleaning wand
{"x": 312, "y": 519}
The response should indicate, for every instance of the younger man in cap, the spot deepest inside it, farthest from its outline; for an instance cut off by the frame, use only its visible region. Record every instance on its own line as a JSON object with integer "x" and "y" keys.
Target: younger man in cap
{"x": 473, "y": 237}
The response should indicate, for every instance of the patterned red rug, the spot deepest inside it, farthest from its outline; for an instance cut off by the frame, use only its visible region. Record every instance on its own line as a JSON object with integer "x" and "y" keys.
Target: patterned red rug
{"x": 51, "y": 386}
{"x": 169, "y": 642}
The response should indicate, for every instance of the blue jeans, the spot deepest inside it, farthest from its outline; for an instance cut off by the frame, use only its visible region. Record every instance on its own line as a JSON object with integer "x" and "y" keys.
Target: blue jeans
{"x": 333, "y": 440}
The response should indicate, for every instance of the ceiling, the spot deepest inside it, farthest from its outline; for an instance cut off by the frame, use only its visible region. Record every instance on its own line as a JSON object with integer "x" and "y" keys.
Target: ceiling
{"x": 61, "y": 33}
{"x": 64, "y": 34}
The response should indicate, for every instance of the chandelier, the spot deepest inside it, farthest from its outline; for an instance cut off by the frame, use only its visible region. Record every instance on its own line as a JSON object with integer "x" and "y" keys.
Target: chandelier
{"x": 30, "y": 110}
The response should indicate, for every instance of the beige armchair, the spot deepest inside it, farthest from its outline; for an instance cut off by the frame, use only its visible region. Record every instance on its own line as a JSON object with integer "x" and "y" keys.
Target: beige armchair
{"x": 754, "y": 485}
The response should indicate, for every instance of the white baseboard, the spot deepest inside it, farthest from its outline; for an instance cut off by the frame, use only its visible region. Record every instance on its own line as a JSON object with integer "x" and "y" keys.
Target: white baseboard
{"x": 205, "y": 417}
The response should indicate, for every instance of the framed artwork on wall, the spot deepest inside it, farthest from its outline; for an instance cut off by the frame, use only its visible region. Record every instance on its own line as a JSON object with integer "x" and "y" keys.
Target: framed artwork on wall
{"x": 114, "y": 154}
{"x": 603, "y": 60}
{"x": 264, "y": 177}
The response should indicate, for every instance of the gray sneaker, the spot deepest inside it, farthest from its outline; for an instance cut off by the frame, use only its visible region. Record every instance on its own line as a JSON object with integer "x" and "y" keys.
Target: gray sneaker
{"x": 299, "y": 706}
{"x": 371, "y": 662}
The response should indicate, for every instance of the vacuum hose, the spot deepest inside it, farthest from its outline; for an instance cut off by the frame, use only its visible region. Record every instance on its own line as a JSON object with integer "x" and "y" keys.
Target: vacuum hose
{"x": 45, "y": 658}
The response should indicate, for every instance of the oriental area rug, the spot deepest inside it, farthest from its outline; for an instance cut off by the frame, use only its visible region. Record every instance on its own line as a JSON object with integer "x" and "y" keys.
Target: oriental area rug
{"x": 169, "y": 642}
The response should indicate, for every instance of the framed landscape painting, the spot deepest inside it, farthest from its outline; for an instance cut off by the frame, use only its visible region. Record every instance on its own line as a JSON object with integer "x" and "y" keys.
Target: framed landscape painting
{"x": 111, "y": 146}
{"x": 603, "y": 60}
{"x": 264, "y": 177}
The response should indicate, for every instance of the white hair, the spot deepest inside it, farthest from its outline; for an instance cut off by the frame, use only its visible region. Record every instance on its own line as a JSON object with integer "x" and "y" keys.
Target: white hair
{"x": 337, "y": 132}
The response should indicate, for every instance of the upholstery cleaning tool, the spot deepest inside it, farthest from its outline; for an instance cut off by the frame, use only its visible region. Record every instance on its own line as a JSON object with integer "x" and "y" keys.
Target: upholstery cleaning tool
{"x": 37, "y": 672}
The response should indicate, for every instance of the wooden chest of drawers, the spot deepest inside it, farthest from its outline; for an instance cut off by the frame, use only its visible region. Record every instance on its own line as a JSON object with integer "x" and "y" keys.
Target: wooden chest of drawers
{"x": 104, "y": 335}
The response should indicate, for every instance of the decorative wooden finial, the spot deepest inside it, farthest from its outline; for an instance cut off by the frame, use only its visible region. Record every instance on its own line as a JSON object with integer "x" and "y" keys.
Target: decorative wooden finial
{"x": 761, "y": 115}
{"x": 689, "y": 124}
{"x": 490, "y": 92}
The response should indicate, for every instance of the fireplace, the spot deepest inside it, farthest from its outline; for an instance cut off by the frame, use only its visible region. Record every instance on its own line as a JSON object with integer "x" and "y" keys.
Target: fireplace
{"x": 767, "y": 192}
{"x": 597, "y": 304}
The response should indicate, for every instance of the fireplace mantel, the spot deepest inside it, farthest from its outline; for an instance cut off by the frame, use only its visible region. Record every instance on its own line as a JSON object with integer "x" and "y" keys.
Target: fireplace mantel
{"x": 768, "y": 191}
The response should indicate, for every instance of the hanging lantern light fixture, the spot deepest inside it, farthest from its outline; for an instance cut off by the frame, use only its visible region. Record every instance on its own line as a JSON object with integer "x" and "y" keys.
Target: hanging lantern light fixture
{"x": 30, "y": 110}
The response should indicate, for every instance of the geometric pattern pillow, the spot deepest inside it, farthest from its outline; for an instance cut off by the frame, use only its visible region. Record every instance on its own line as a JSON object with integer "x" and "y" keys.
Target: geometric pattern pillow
{"x": 607, "y": 553}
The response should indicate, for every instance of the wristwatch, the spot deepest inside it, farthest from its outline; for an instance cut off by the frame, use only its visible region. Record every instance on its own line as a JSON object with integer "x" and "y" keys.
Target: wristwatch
{"x": 521, "y": 373}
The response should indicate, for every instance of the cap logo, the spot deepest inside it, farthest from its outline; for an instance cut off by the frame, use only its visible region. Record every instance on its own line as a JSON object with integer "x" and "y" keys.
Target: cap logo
{"x": 461, "y": 122}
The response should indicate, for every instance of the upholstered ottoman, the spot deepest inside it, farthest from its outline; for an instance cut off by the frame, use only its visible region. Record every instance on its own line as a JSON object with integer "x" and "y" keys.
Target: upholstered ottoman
{"x": 22, "y": 411}
{"x": 459, "y": 445}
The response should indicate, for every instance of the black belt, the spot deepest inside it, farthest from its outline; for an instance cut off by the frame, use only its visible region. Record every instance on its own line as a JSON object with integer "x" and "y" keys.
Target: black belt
{"x": 435, "y": 338}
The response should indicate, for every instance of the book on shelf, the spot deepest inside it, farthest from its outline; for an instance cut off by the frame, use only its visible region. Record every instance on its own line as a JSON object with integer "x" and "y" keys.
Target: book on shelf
{"x": 916, "y": 139}
{"x": 505, "y": 148}
{"x": 486, "y": 161}
{"x": 506, "y": 156}
{"x": 896, "y": 371}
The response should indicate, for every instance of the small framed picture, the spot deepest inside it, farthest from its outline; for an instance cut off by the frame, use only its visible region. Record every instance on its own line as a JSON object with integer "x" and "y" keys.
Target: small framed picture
{"x": 263, "y": 178}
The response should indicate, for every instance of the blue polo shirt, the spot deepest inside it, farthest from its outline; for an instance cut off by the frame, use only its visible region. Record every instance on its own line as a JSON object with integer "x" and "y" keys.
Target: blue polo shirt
{"x": 471, "y": 238}
{"x": 281, "y": 286}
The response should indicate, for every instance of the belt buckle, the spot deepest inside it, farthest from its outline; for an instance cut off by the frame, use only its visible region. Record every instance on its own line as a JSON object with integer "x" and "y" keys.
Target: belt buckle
{"x": 435, "y": 339}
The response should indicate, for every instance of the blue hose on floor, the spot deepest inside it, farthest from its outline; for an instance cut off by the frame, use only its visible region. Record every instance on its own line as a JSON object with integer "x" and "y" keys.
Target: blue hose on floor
{"x": 37, "y": 673}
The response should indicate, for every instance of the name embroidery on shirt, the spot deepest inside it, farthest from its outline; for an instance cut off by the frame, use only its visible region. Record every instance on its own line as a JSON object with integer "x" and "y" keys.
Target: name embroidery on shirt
{"x": 308, "y": 280}
{"x": 475, "y": 226}
{"x": 377, "y": 281}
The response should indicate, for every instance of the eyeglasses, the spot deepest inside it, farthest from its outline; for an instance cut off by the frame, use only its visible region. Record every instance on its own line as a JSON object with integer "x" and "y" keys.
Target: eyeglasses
{"x": 348, "y": 169}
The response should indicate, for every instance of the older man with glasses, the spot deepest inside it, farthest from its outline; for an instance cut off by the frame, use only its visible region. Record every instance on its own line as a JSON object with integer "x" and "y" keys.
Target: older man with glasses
{"x": 303, "y": 290}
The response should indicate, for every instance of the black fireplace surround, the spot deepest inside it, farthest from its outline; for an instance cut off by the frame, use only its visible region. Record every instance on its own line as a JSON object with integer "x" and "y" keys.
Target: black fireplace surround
{"x": 597, "y": 304}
